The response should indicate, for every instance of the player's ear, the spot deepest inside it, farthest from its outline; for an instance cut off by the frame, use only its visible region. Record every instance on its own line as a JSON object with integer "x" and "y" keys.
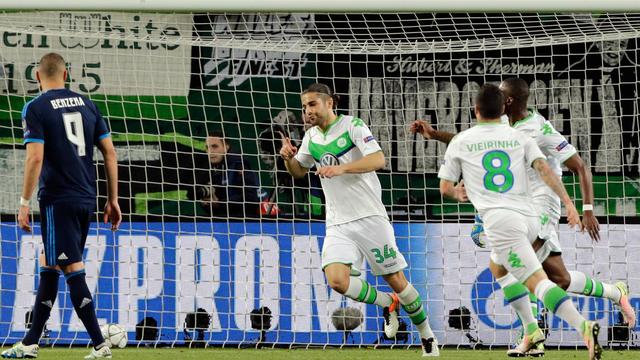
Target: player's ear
{"x": 330, "y": 102}
{"x": 38, "y": 75}
{"x": 64, "y": 75}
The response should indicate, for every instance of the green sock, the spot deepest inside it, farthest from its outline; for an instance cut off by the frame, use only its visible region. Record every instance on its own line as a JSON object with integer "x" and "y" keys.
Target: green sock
{"x": 516, "y": 295}
{"x": 362, "y": 291}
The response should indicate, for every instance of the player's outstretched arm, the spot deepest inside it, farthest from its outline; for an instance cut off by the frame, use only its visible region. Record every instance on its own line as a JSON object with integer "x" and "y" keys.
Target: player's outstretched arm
{"x": 427, "y": 131}
{"x": 589, "y": 221}
{"x": 111, "y": 209}
{"x": 32, "y": 168}
{"x": 288, "y": 153}
{"x": 553, "y": 181}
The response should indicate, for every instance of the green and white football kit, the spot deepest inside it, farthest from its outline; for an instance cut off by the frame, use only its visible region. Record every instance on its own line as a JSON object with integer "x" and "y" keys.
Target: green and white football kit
{"x": 357, "y": 223}
{"x": 358, "y": 226}
{"x": 557, "y": 150}
{"x": 493, "y": 160}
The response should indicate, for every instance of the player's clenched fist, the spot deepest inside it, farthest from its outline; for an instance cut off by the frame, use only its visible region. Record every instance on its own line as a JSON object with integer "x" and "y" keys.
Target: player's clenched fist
{"x": 23, "y": 218}
{"x": 423, "y": 128}
{"x": 288, "y": 151}
{"x": 461, "y": 192}
{"x": 330, "y": 171}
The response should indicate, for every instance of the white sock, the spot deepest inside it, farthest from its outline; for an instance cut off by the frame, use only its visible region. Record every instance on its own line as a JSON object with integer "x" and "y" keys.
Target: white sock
{"x": 611, "y": 292}
{"x": 568, "y": 312}
{"x": 584, "y": 285}
{"x": 518, "y": 297}
{"x": 556, "y": 300}
{"x": 412, "y": 304}
{"x": 578, "y": 280}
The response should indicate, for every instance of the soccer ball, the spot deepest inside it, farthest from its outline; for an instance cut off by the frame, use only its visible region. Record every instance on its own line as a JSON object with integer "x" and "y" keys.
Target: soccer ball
{"x": 114, "y": 335}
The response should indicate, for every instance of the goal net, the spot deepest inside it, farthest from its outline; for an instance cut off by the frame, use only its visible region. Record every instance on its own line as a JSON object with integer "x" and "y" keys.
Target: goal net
{"x": 221, "y": 273}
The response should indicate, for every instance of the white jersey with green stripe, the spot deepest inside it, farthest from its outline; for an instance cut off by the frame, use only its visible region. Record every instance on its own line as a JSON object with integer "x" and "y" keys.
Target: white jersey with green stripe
{"x": 557, "y": 149}
{"x": 493, "y": 160}
{"x": 350, "y": 196}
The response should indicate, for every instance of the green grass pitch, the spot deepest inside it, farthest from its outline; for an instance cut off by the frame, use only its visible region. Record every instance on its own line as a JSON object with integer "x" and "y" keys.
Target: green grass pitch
{"x": 316, "y": 354}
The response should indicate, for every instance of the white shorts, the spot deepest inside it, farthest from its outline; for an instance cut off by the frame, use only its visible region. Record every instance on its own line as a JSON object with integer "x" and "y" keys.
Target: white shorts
{"x": 548, "y": 232}
{"x": 510, "y": 234}
{"x": 369, "y": 238}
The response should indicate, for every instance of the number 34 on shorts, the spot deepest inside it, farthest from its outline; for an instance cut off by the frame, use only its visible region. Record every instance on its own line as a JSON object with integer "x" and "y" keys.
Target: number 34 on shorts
{"x": 383, "y": 254}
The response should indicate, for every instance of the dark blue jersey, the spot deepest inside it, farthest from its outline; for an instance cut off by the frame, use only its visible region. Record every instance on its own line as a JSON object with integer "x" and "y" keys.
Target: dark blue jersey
{"x": 69, "y": 125}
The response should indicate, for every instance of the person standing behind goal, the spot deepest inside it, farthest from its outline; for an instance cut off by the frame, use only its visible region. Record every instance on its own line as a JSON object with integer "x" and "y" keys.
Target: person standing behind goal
{"x": 61, "y": 128}
{"x": 346, "y": 156}
{"x": 492, "y": 159}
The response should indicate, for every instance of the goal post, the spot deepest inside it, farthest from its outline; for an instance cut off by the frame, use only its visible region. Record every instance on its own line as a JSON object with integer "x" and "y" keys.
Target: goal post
{"x": 333, "y": 6}
{"x": 165, "y": 75}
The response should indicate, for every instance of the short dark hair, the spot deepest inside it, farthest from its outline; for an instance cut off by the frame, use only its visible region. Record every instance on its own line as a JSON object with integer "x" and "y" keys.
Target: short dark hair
{"x": 323, "y": 89}
{"x": 51, "y": 64}
{"x": 219, "y": 134}
{"x": 518, "y": 89}
{"x": 490, "y": 101}
{"x": 215, "y": 133}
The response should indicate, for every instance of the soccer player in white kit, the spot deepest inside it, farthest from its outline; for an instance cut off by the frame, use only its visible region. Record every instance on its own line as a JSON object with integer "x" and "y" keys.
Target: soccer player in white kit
{"x": 492, "y": 159}
{"x": 346, "y": 156}
{"x": 547, "y": 246}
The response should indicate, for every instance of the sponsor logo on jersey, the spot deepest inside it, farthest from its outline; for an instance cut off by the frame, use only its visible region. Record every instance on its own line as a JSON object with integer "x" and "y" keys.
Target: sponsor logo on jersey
{"x": 369, "y": 138}
{"x": 328, "y": 159}
{"x": 562, "y": 145}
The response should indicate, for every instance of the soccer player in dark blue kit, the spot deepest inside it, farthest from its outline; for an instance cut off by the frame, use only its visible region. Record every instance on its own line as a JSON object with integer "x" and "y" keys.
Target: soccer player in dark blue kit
{"x": 61, "y": 128}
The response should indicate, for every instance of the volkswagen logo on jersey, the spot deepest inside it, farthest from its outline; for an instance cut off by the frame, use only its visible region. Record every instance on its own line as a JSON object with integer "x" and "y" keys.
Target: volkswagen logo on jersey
{"x": 329, "y": 159}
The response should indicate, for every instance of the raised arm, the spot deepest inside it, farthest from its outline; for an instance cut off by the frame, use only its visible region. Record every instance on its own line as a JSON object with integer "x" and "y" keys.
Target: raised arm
{"x": 427, "y": 131}
{"x": 288, "y": 153}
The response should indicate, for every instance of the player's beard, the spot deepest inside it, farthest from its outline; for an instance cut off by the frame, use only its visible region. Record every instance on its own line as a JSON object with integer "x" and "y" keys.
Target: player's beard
{"x": 315, "y": 120}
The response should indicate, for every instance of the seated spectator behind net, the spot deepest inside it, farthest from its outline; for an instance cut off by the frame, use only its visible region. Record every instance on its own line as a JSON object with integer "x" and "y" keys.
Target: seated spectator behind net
{"x": 304, "y": 195}
{"x": 228, "y": 187}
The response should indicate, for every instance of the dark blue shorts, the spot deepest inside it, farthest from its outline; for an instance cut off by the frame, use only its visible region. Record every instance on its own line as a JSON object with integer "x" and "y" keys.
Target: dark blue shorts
{"x": 64, "y": 231}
